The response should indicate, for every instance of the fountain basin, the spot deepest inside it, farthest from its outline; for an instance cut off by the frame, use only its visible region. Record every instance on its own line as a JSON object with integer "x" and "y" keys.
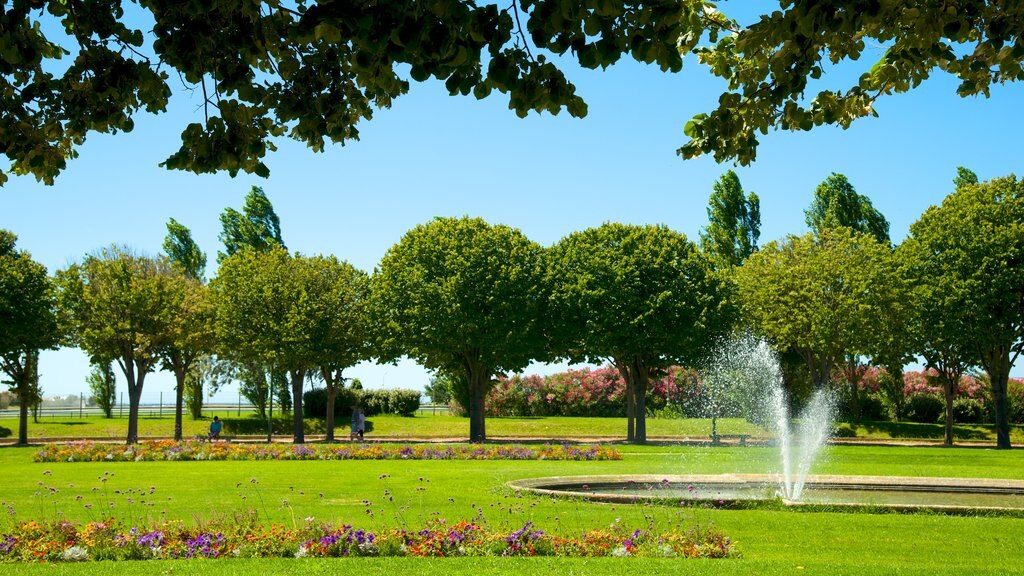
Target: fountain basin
{"x": 896, "y": 493}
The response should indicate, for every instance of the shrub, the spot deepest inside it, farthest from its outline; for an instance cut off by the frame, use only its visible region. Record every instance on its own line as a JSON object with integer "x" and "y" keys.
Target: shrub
{"x": 925, "y": 407}
{"x": 254, "y": 426}
{"x": 314, "y": 403}
{"x": 375, "y": 402}
{"x": 405, "y": 402}
{"x": 969, "y": 411}
{"x": 596, "y": 392}
{"x": 844, "y": 430}
{"x": 874, "y": 408}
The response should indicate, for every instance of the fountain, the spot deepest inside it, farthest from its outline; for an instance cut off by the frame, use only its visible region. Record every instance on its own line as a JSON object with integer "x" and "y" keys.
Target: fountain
{"x": 746, "y": 373}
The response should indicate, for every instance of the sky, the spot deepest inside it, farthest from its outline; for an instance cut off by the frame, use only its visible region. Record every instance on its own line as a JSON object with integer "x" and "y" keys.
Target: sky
{"x": 436, "y": 155}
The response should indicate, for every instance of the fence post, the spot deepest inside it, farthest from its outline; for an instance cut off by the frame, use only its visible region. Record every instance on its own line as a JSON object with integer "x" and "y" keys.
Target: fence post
{"x": 81, "y": 403}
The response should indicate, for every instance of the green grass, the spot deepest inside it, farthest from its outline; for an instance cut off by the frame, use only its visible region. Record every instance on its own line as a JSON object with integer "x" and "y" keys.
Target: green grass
{"x": 419, "y": 426}
{"x": 772, "y": 541}
{"x": 917, "y": 431}
{"x": 426, "y": 425}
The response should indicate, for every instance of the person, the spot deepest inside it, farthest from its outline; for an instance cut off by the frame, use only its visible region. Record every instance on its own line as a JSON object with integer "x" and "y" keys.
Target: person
{"x": 358, "y": 423}
{"x": 215, "y": 428}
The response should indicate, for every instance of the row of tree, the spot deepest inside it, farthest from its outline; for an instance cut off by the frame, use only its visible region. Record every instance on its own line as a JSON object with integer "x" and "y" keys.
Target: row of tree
{"x": 474, "y": 300}
{"x": 952, "y": 293}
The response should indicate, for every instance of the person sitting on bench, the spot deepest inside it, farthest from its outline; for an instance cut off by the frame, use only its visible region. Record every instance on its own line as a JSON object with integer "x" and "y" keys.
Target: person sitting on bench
{"x": 215, "y": 428}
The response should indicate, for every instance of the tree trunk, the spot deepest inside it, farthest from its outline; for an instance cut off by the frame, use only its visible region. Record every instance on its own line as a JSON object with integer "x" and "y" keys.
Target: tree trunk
{"x": 998, "y": 369}
{"x": 820, "y": 369}
{"x": 477, "y": 406}
{"x": 853, "y": 377}
{"x": 134, "y": 397}
{"x": 298, "y": 376}
{"x": 641, "y": 376}
{"x": 23, "y": 415}
{"x": 949, "y": 389}
{"x": 627, "y": 377}
{"x": 332, "y": 392}
{"x": 179, "y": 401}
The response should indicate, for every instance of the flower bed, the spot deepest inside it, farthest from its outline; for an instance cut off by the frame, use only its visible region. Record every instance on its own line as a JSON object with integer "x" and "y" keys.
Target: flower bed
{"x": 161, "y": 450}
{"x": 110, "y": 540}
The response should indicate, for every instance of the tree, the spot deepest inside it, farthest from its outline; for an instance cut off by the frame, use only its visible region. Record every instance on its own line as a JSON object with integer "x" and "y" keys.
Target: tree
{"x": 964, "y": 178}
{"x": 256, "y": 227}
{"x": 183, "y": 251}
{"x": 439, "y": 389}
{"x": 967, "y": 257}
{"x": 28, "y": 324}
{"x": 771, "y": 63}
{"x": 191, "y": 328}
{"x": 340, "y": 330}
{"x": 119, "y": 306}
{"x": 289, "y": 313}
{"x": 642, "y": 297}
{"x": 836, "y": 203}
{"x": 820, "y": 296}
{"x": 313, "y": 70}
{"x": 190, "y": 336}
{"x": 734, "y": 223}
{"x": 465, "y": 297}
{"x": 103, "y": 387}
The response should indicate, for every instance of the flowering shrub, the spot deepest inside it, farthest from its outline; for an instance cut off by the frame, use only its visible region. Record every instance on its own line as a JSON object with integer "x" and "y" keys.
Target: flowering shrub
{"x": 592, "y": 392}
{"x": 191, "y": 450}
{"x": 111, "y": 540}
{"x": 922, "y": 399}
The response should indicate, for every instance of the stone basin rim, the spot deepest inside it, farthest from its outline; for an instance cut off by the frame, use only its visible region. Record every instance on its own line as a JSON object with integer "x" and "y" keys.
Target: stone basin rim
{"x": 542, "y": 486}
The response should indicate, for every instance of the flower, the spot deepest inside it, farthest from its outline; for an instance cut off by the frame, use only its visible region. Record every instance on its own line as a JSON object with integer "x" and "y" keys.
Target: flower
{"x": 75, "y": 554}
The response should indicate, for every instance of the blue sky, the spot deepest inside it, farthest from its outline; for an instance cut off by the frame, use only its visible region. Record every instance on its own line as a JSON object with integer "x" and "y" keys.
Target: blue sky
{"x": 436, "y": 155}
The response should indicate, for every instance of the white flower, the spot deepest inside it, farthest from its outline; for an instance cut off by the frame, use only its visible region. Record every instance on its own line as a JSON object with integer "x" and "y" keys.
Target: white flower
{"x": 667, "y": 551}
{"x": 302, "y": 552}
{"x": 75, "y": 554}
{"x": 620, "y": 552}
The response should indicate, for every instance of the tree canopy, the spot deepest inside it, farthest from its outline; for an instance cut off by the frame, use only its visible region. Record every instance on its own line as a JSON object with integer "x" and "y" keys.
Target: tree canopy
{"x": 464, "y": 297}
{"x": 192, "y": 333}
{"x": 256, "y": 226}
{"x": 837, "y": 204}
{"x": 119, "y": 306}
{"x": 340, "y": 334}
{"x": 292, "y": 313}
{"x": 28, "y": 322}
{"x": 734, "y": 222}
{"x": 820, "y": 295}
{"x": 183, "y": 251}
{"x": 313, "y": 70}
{"x": 968, "y": 257}
{"x": 642, "y": 297}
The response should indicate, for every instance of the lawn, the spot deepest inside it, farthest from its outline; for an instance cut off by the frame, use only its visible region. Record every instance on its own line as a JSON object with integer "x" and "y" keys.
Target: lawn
{"x": 438, "y": 425}
{"x": 772, "y": 541}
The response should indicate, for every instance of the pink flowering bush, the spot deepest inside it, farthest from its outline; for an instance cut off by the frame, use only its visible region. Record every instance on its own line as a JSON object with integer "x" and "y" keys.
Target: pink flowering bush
{"x": 592, "y": 392}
